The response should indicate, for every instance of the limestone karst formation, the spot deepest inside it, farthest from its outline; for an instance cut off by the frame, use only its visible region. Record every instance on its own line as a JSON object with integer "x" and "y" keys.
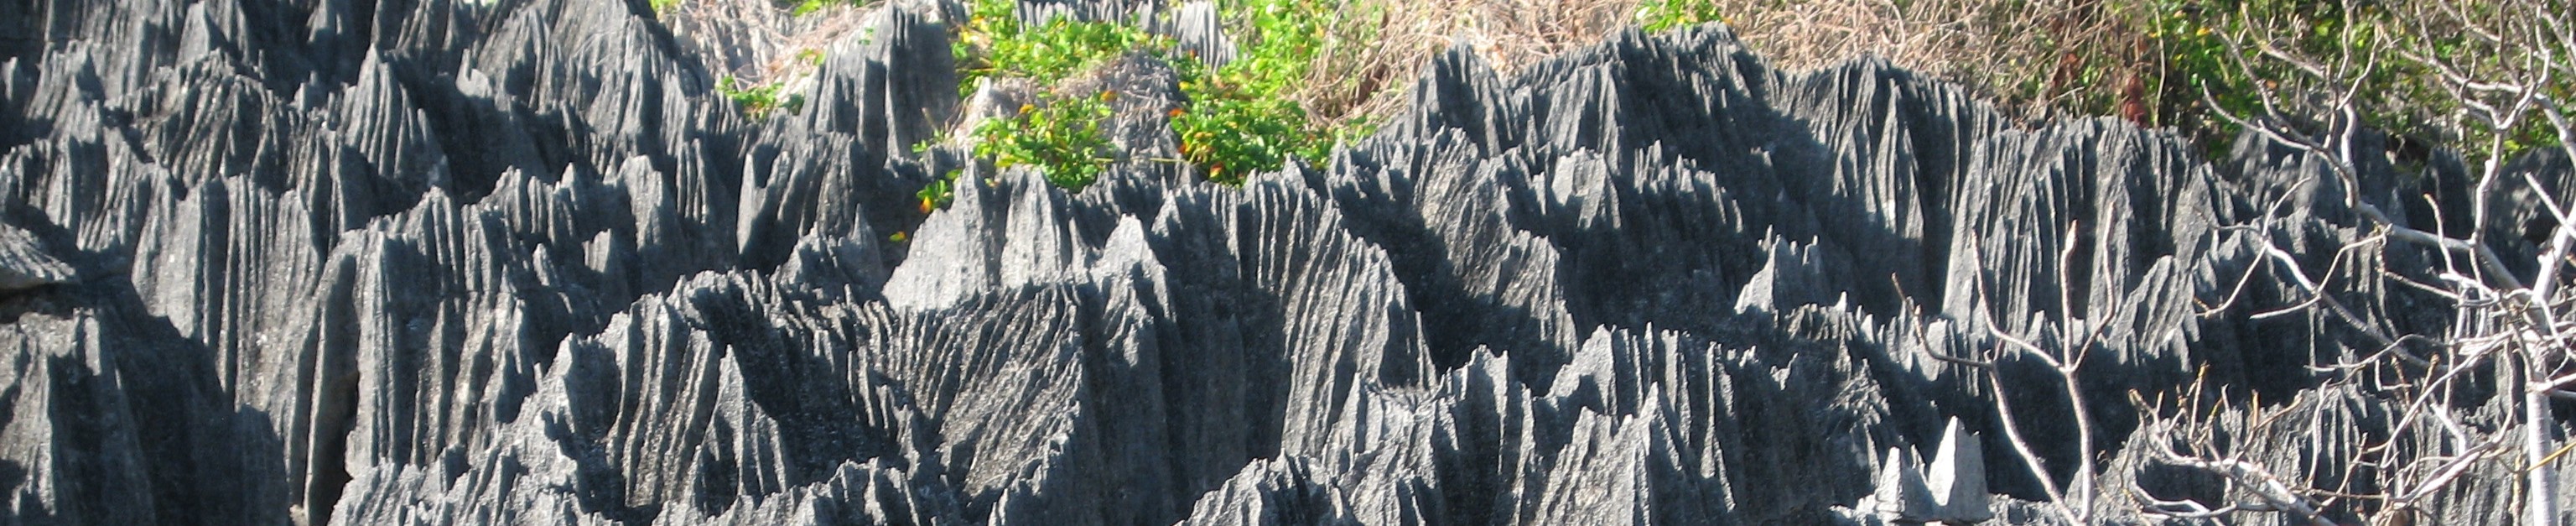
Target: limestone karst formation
{"x": 514, "y": 262}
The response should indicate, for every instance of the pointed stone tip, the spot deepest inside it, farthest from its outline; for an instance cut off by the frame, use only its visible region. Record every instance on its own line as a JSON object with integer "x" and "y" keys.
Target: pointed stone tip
{"x": 1901, "y": 493}
{"x": 1957, "y": 477}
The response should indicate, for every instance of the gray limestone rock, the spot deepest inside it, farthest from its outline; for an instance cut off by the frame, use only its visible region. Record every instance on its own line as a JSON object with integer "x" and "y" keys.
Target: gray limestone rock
{"x": 1951, "y": 488}
{"x": 24, "y": 264}
{"x": 516, "y": 261}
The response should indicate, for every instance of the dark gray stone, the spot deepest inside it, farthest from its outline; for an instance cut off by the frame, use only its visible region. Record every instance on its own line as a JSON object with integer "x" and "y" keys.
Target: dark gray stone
{"x": 24, "y": 264}
{"x": 444, "y": 262}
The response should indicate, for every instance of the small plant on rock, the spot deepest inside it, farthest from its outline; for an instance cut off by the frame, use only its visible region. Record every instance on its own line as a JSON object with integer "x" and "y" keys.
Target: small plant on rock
{"x": 807, "y": 7}
{"x": 757, "y": 101}
{"x": 1235, "y": 120}
{"x": 1239, "y": 120}
{"x": 937, "y": 194}
{"x": 1661, "y": 15}
{"x": 1061, "y": 139}
{"x": 1232, "y": 132}
{"x": 994, "y": 43}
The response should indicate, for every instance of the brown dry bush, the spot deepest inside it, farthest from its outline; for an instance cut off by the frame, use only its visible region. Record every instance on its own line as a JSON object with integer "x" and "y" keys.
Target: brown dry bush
{"x": 759, "y": 41}
{"x": 2036, "y": 59}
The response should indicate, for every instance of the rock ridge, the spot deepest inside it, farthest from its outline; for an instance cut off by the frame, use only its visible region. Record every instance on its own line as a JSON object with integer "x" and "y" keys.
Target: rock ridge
{"x": 451, "y": 262}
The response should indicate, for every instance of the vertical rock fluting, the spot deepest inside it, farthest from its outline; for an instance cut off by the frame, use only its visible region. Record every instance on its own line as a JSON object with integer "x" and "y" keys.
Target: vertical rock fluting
{"x": 451, "y": 262}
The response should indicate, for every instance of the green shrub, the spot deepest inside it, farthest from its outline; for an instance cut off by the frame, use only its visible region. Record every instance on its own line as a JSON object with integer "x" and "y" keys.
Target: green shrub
{"x": 759, "y": 101}
{"x": 2395, "y": 92}
{"x": 937, "y": 195}
{"x": 995, "y": 44}
{"x": 1236, "y": 120}
{"x": 1061, "y": 139}
{"x": 1231, "y": 129}
{"x": 2194, "y": 65}
{"x": 1240, "y": 119}
{"x": 1280, "y": 41}
{"x": 1660, "y": 15}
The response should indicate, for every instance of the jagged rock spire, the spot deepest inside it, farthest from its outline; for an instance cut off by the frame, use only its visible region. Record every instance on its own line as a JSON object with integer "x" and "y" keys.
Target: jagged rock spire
{"x": 517, "y": 261}
{"x": 1951, "y": 489}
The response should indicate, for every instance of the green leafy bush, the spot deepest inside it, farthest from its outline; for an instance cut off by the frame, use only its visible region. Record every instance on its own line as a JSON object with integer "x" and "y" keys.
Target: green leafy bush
{"x": 1236, "y": 120}
{"x": 1281, "y": 37}
{"x": 1232, "y": 129}
{"x": 937, "y": 195}
{"x": 1240, "y": 119}
{"x": 758, "y": 101}
{"x": 1060, "y": 138}
{"x": 2376, "y": 55}
{"x": 994, "y": 43}
{"x": 1660, "y": 15}
{"x": 2195, "y": 65}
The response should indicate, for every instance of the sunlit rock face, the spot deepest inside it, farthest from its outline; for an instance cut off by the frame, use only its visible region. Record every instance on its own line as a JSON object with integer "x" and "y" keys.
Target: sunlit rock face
{"x": 459, "y": 262}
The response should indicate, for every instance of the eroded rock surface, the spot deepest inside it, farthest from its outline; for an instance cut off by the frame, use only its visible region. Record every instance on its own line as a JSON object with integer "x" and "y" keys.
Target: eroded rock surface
{"x": 457, "y": 262}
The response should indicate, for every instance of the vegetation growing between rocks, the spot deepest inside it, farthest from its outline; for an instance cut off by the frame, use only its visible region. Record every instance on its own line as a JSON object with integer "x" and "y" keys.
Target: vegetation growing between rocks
{"x": 1062, "y": 137}
{"x": 1310, "y": 70}
{"x": 2160, "y": 63}
{"x": 1664, "y": 15}
{"x": 806, "y": 7}
{"x": 1233, "y": 130}
{"x": 2226, "y": 57}
{"x": 1235, "y": 120}
{"x": 995, "y": 43}
{"x": 2321, "y": 79}
{"x": 699, "y": 304}
{"x": 786, "y": 37}
{"x": 757, "y": 101}
{"x": 1241, "y": 120}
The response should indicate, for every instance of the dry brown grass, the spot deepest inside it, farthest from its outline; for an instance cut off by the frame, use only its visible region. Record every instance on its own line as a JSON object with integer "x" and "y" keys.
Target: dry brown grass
{"x": 2041, "y": 57}
{"x": 756, "y": 40}
{"x": 1389, "y": 41}
{"x": 2036, "y": 57}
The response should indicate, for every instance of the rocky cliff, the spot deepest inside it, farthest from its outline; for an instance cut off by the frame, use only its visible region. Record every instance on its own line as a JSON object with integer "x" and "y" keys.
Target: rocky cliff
{"x": 455, "y": 262}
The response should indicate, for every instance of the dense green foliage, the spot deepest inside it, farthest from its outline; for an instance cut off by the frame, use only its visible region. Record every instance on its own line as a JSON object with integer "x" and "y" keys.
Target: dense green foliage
{"x": 1233, "y": 133}
{"x": 2198, "y": 65}
{"x": 1236, "y": 120}
{"x": 995, "y": 43}
{"x": 1061, "y": 136}
{"x": 1239, "y": 121}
